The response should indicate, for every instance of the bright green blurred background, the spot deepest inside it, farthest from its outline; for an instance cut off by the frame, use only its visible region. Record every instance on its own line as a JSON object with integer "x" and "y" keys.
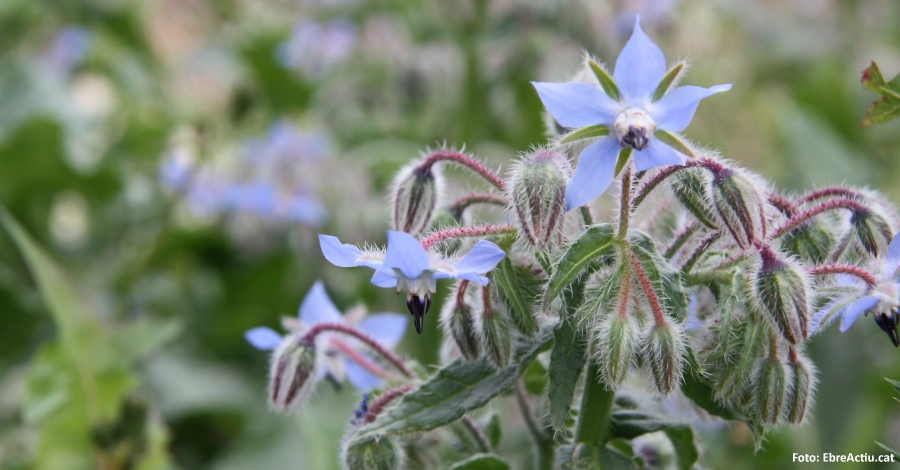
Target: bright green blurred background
{"x": 97, "y": 95}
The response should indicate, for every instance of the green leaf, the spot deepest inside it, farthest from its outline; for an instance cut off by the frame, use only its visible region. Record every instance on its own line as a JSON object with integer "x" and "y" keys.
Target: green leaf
{"x": 887, "y": 107}
{"x": 535, "y": 378}
{"x": 595, "y": 242}
{"x": 675, "y": 142}
{"x": 519, "y": 302}
{"x": 636, "y": 414}
{"x": 685, "y": 447}
{"x": 567, "y": 358}
{"x": 606, "y": 81}
{"x": 587, "y": 132}
{"x": 895, "y": 383}
{"x": 698, "y": 388}
{"x": 481, "y": 462}
{"x": 456, "y": 389}
{"x": 668, "y": 80}
{"x": 493, "y": 431}
{"x": 587, "y": 457}
{"x": 624, "y": 155}
{"x": 896, "y": 454}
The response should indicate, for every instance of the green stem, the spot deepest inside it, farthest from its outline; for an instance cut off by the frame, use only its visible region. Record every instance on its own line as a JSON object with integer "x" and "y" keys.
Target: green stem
{"x": 596, "y": 410}
{"x": 543, "y": 441}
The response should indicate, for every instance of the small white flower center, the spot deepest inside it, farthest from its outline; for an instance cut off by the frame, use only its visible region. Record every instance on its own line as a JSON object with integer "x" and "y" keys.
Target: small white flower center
{"x": 888, "y": 297}
{"x": 634, "y": 127}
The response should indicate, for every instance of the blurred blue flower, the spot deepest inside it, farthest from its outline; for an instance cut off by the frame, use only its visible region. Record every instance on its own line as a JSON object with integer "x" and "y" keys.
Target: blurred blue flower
{"x": 408, "y": 267}
{"x": 176, "y": 170}
{"x": 265, "y": 200}
{"x": 360, "y": 413}
{"x": 315, "y": 48}
{"x": 284, "y": 143}
{"x": 342, "y": 356}
{"x": 653, "y": 12}
{"x": 882, "y": 299}
{"x": 632, "y": 120}
{"x": 69, "y": 47}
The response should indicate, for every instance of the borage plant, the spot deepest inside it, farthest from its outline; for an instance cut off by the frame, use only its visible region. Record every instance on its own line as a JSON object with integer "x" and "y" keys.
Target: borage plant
{"x": 706, "y": 284}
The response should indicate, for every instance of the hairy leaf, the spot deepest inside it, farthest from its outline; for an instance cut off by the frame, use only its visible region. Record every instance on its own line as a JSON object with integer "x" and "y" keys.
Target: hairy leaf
{"x": 481, "y": 462}
{"x": 517, "y": 298}
{"x": 595, "y": 242}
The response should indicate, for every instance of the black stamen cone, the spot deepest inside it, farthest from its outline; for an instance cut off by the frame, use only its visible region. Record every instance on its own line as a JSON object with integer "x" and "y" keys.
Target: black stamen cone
{"x": 418, "y": 307}
{"x": 636, "y": 138}
{"x": 888, "y": 323}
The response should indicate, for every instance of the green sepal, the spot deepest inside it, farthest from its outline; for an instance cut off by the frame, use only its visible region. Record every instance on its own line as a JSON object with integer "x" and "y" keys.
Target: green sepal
{"x": 675, "y": 142}
{"x": 624, "y": 155}
{"x": 668, "y": 80}
{"x": 606, "y": 81}
{"x": 587, "y": 132}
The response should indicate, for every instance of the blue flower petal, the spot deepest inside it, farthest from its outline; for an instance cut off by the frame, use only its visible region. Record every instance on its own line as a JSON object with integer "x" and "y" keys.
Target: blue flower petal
{"x": 384, "y": 278}
{"x": 317, "y": 307}
{"x": 263, "y": 338}
{"x": 343, "y": 254}
{"x": 657, "y": 154}
{"x": 577, "y": 104}
{"x": 405, "y": 253}
{"x": 639, "y": 69}
{"x": 361, "y": 378}
{"x": 595, "y": 171}
{"x": 387, "y": 328}
{"x": 482, "y": 258}
{"x": 855, "y": 310}
{"x": 894, "y": 248}
{"x": 474, "y": 277}
{"x": 674, "y": 111}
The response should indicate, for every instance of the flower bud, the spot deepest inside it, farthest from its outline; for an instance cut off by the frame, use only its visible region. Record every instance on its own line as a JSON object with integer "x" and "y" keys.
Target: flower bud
{"x": 537, "y": 192}
{"x": 495, "y": 331}
{"x": 416, "y": 193}
{"x": 812, "y": 241}
{"x": 615, "y": 341}
{"x": 458, "y": 322}
{"x": 664, "y": 350}
{"x": 781, "y": 292}
{"x": 373, "y": 453}
{"x": 771, "y": 389}
{"x": 294, "y": 373}
{"x": 871, "y": 231}
{"x": 691, "y": 188}
{"x": 738, "y": 205}
{"x": 804, "y": 387}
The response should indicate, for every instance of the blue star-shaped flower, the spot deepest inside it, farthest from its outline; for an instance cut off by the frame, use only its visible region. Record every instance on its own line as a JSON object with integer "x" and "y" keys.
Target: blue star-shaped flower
{"x": 408, "y": 267}
{"x": 631, "y": 118}
{"x": 342, "y": 355}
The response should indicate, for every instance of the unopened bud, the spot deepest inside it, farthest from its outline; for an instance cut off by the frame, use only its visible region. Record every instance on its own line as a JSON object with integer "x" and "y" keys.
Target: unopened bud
{"x": 871, "y": 230}
{"x": 294, "y": 373}
{"x": 458, "y": 321}
{"x": 771, "y": 389}
{"x": 738, "y": 205}
{"x": 537, "y": 192}
{"x": 781, "y": 292}
{"x": 415, "y": 195}
{"x": 664, "y": 350}
{"x": 373, "y": 453}
{"x": 615, "y": 341}
{"x": 691, "y": 188}
{"x": 812, "y": 241}
{"x": 495, "y": 331}
{"x": 804, "y": 388}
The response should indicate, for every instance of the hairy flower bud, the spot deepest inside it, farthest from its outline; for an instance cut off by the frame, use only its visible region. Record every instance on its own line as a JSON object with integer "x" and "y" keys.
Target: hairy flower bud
{"x": 458, "y": 322}
{"x": 294, "y": 373}
{"x": 804, "y": 387}
{"x": 615, "y": 343}
{"x": 871, "y": 231}
{"x": 537, "y": 193}
{"x": 812, "y": 241}
{"x": 771, "y": 389}
{"x": 664, "y": 350}
{"x": 373, "y": 453}
{"x": 738, "y": 204}
{"x": 691, "y": 188}
{"x": 495, "y": 330}
{"x": 781, "y": 292}
{"x": 416, "y": 193}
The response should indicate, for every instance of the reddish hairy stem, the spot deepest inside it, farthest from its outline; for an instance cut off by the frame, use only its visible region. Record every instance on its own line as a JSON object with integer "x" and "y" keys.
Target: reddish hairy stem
{"x": 463, "y": 232}
{"x": 462, "y": 159}
{"x": 844, "y": 269}
{"x": 680, "y": 240}
{"x": 461, "y": 292}
{"x": 385, "y": 399}
{"x": 653, "y": 182}
{"x": 781, "y": 203}
{"x": 831, "y": 191}
{"x": 625, "y": 202}
{"x": 700, "y": 249}
{"x": 386, "y": 353}
{"x": 647, "y": 287}
{"x": 458, "y": 206}
{"x": 357, "y": 357}
{"x": 804, "y": 216}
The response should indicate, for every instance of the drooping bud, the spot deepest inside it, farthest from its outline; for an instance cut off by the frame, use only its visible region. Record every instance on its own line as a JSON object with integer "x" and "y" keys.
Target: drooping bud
{"x": 664, "y": 350}
{"x": 691, "y": 188}
{"x": 804, "y": 388}
{"x": 415, "y": 195}
{"x": 458, "y": 322}
{"x": 373, "y": 453}
{"x": 495, "y": 330}
{"x": 294, "y": 373}
{"x": 888, "y": 322}
{"x": 615, "y": 343}
{"x": 771, "y": 389}
{"x": 738, "y": 204}
{"x": 812, "y": 241}
{"x": 871, "y": 231}
{"x": 781, "y": 292}
{"x": 537, "y": 193}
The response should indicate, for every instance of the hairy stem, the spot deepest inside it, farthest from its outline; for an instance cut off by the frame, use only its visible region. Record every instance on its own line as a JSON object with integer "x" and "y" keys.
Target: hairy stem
{"x": 653, "y": 182}
{"x": 844, "y": 269}
{"x": 808, "y": 214}
{"x": 464, "y": 232}
{"x": 459, "y": 206}
{"x": 586, "y": 216}
{"x": 647, "y": 286}
{"x": 385, "y": 399}
{"x": 484, "y": 444}
{"x": 680, "y": 240}
{"x": 596, "y": 410}
{"x": 831, "y": 191}
{"x": 464, "y": 160}
{"x": 625, "y": 202}
{"x": 369, "y": 341}
{"x": 700, "y": 249}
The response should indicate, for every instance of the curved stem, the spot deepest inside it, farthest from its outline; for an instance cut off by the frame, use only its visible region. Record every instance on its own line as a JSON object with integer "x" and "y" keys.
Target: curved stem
{"x": 596, "y": 410}
{"x": 680, "y": 240}
{"x": 386, "y": 353}
{"x": 781, "y": 203}
{"x": 462, "y": 159}
{"x": 798, "y": 219}
{"x": 459, "y": 206}
{"x": 831, "y": 191}
{"x": 483, "y": 442}
{"x": 384, "y": 399}
{"x": 653, "y": 182}
{"x": 700, "y": 249}
{"x": 464, "y": 232}
{"x": 844, "y": 269}
{"x": 543, "y": 442}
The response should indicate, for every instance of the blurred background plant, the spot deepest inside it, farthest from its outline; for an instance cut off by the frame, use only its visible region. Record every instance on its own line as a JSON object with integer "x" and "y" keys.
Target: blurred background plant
{"x": 176, "y": 158}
